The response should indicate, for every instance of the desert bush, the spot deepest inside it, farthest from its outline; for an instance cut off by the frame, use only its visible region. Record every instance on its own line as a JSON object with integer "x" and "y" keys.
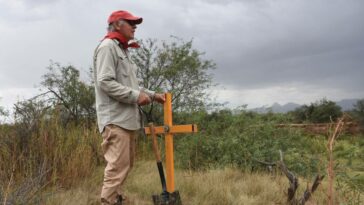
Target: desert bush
{"x": 244, "y": 139}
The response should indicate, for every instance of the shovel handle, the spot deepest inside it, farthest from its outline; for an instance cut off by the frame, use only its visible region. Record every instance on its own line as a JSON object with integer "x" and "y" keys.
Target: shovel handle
{"x": 155, "y": 143}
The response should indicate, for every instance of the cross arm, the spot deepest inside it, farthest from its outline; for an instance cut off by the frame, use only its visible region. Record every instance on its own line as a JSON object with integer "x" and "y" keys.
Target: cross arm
{"x": 175, "y": 129}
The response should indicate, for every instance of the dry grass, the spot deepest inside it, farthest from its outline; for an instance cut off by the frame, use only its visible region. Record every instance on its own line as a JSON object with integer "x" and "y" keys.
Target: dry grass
{"x": 225, "y": 186}
{"x": 52, "y": 156}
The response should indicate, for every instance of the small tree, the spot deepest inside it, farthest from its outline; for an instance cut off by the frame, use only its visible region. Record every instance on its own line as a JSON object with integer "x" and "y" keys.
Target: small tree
{"x": 301, "y": 114}
{"x": 325, "y": 111}
{"x": 358, "y": 112}
{"x": 3, "y": 112}
{"x": 75, "y": 97}
{"x": 28, "y": 113}
{"x": 319, "y": 112}
{"x": 177, "y": 68}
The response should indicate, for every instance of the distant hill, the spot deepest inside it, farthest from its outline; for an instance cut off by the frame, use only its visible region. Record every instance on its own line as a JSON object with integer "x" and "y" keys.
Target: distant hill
{"x": 346, "y": 104}
{"x": 276, "y": 108}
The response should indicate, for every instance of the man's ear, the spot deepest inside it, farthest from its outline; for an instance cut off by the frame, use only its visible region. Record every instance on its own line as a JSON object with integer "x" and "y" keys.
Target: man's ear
{"x": 117, "y": 25}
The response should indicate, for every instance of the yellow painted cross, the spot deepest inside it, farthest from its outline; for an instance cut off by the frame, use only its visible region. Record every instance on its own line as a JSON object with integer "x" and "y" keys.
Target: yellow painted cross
{"x": 168, "y": 130}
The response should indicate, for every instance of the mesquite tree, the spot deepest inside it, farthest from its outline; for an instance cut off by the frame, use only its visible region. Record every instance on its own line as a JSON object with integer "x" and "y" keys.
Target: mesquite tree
{"x": 74, "y": 97}
{"x": 175, "y": 67}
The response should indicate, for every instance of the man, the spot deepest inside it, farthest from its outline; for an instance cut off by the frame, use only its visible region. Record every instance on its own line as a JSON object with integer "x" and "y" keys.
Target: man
{"x": 117, "y": 99}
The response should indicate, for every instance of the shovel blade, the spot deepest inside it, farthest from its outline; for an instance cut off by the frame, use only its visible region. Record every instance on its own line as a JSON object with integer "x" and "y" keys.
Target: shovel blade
{"x": 172, "y": 199}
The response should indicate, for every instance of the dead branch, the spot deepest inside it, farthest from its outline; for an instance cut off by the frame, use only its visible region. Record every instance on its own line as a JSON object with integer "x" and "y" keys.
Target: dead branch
{"x": 265, "y": 163}
{"x": 308, "y": 193}
{"x": 269, "y": 165}
{"x": 330, "y": 167}
{"x": 293, "y": 181}
{"x": 26, "y": 191}
{"x": 9, "y": 184}
{"x": 293, "y": 185}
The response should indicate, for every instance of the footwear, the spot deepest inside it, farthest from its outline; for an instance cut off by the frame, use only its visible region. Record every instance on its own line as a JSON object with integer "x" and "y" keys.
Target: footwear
{"x": 119, "y": 200}
{"x": 104, "y": 202}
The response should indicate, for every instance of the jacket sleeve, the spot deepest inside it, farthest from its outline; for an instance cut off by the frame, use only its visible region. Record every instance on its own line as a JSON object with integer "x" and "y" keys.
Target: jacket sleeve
{"x": 148, "y": 92}
{"x": 106, "y": 78}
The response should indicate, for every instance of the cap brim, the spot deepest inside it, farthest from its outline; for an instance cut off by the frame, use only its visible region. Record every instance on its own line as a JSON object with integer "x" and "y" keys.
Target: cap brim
{"x": 136, "y": 20}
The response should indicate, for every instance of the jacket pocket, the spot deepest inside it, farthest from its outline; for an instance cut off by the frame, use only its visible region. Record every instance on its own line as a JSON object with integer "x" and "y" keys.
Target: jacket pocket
{"x": 123, "y": 67}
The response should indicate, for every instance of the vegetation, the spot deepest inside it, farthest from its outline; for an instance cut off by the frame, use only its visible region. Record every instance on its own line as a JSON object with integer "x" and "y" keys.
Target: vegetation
{"x": 74, "y": 97}
{"x": 358, "y": 112}
{"x": 177, "y": 68}
{"x": 53, "y": 158}
{"x": 246, "y": 138}
{"x": 50, "y": 156}
{"x": 2, "y": 111}
{"x": 318, "y": 112}
{"x": 51, "y": 153}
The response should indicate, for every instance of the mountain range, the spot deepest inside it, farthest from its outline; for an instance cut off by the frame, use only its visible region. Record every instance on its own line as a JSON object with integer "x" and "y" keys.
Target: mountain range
{"x": 346, "y": 104}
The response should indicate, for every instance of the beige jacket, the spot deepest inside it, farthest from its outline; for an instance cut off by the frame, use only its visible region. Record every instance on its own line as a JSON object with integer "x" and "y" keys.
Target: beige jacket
{"x": 116, "y": 86}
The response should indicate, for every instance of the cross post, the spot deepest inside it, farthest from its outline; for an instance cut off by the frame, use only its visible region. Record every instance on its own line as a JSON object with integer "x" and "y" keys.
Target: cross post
{"x": 169, "y": 130}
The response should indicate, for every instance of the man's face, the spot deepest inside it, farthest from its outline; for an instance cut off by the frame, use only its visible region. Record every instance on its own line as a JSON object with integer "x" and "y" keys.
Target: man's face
{"x": 126, "y": 28}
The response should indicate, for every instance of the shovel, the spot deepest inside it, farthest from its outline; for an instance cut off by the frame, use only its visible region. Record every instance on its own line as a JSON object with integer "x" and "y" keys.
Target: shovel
{"x": 165, "y": 198}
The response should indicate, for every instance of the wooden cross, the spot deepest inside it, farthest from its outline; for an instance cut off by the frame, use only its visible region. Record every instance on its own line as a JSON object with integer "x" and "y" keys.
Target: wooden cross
{"x": 168, "y": 130}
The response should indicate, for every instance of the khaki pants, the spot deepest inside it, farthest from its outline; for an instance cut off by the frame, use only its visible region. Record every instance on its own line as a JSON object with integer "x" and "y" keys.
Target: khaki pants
{"x": 119, "y": 150}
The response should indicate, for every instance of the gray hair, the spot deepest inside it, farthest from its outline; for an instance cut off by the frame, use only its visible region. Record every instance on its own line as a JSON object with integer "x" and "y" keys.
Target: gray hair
{"x": 111, "y": 27}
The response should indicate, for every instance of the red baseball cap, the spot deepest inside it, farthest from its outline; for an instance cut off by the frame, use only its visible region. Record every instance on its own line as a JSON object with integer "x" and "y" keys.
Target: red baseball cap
{"x": 117, "y": 15}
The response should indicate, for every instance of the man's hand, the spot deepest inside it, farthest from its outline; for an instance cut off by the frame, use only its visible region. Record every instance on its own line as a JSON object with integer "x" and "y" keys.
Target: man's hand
{"x": 160, "y": 97}
{"x": 143, "y": 99}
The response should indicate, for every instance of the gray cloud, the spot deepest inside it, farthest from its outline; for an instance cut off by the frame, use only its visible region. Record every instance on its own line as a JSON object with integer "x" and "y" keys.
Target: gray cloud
{"x": 257, "y": 44}
{"x": 295, "y": 42}
{"x": 18, "y": 13}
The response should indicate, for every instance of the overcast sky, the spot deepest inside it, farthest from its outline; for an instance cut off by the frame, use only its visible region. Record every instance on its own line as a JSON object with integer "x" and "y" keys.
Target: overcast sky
{"x": 266, "y": 51}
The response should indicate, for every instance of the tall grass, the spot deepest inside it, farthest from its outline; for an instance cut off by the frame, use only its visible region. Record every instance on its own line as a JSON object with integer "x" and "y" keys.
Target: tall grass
{"x": 49, "y": 156}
